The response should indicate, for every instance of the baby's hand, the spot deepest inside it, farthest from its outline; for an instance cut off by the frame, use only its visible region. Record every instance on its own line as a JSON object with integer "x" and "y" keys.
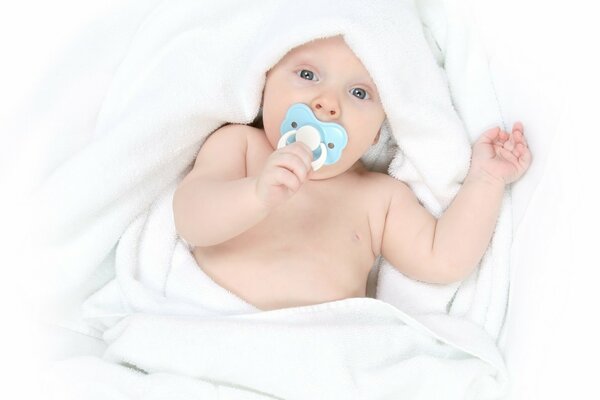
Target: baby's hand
{"x": 284, "y": 173}
{"x": 500, "y": 155}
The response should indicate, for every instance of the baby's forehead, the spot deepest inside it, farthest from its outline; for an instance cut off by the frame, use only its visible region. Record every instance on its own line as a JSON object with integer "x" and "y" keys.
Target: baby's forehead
{"x": 331, "y": 48}
{"x": 318, "y": 46}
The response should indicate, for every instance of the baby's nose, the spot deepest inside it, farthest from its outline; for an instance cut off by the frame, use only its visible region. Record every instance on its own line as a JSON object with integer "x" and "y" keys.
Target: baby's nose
{"x": 326, "y": 110}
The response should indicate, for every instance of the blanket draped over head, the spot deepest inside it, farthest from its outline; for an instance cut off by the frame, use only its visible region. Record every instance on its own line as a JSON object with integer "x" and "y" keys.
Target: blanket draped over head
{"x": 104, "y": 219}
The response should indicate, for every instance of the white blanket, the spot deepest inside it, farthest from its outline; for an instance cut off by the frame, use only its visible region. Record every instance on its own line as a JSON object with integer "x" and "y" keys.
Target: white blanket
{"x": 192, "y": 66}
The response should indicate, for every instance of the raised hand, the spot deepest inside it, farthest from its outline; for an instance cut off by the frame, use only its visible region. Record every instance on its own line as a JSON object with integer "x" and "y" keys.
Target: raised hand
{"x": 502, "y": 156}
{"x": 284, "y": 173}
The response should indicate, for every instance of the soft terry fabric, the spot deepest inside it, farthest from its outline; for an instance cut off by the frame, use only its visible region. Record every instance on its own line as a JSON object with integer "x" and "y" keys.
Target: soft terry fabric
{"x": 482, "y": 297}
{"x": 193, "y": 66}
{"x": 357, "y": 348}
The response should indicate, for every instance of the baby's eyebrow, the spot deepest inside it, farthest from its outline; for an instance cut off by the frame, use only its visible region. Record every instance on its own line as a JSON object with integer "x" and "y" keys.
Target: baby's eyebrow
{"x": 365, "y": 79}
{"x": 369, "y": 82}
{"x": 301, "y": 53}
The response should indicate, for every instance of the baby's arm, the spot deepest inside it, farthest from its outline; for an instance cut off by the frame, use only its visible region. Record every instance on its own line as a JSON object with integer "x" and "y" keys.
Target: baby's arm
{"x": 216, "y": 201}
{"x": 448, "y": 249}
{"x": 464, "y": 231}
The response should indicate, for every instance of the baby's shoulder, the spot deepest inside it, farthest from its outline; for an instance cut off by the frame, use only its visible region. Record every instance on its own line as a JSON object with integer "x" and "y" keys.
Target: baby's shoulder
{"x": 381, "y": 189}
{"x": 238, "y": 131}
{"x": 376, "y": 190}
{"x": 378, "y": 183}
{"x": 231, "y": 139}
{"x": 222, "y": 155}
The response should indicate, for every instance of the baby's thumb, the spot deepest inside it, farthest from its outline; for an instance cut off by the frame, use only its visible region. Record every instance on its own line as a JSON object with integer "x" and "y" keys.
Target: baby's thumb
{"x": 489, "y": 135}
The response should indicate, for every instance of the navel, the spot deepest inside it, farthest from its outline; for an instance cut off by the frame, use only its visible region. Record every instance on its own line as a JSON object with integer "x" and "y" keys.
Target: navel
{"x": 355, "y": 237}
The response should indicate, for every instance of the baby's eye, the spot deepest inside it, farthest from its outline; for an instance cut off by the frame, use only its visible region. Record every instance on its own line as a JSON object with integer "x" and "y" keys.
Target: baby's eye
{"x": 360, "y": 93}
{"x": 307, "y": 74}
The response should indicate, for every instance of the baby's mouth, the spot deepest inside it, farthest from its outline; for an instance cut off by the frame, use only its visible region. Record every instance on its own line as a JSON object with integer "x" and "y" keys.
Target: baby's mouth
{"x": 325, "y": 139}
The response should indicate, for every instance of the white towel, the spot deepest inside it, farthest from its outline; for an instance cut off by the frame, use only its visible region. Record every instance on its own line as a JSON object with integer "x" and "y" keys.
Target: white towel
{"x": 192, "y": 66}
{"x": 483, "y": 296}
{"x": 358, "y": 348}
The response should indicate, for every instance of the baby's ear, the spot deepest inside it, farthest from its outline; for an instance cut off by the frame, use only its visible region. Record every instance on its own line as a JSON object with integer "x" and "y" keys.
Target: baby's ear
{"x": 376, "y": 140}
{"x": 258, "y": 121}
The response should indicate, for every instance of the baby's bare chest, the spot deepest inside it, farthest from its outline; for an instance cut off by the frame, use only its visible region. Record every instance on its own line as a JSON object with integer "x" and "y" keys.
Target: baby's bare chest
{"x": 316, "y": 247}
{"x": 302, "y": 253}
{"x": 313, "y": 231}
{"x": 329, "y": 218}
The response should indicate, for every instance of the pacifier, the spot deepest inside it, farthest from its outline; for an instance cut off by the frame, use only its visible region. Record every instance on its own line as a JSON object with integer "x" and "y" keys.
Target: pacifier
{"x": 325, "y": 139}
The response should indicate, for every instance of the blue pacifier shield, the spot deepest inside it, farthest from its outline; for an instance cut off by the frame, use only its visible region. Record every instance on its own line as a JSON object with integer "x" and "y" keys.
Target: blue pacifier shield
{"x": 333, "y": 137}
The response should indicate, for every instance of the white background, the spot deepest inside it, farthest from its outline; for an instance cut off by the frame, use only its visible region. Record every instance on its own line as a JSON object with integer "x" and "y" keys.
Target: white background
{"x": 543, "y": 55}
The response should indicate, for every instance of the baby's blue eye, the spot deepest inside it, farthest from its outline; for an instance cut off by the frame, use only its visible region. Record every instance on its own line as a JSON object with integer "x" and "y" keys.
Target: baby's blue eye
{"x": 307, "y": 74}
{"x": 362, "y": 94}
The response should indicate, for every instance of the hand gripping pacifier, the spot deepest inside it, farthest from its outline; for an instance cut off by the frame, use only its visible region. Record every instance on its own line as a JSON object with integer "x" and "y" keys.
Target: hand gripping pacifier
{"x": 325, "y": 139}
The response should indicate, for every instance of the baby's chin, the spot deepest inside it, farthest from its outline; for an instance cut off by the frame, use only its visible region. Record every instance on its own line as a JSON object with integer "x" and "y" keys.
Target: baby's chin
{"x": 330, "y": 171}
{"x": 322, "y": 174}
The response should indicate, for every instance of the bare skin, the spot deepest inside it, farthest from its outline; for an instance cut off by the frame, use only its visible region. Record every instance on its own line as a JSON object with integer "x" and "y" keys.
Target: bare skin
{"x": 277, "y": 234}
{"x": 314, "y": 248}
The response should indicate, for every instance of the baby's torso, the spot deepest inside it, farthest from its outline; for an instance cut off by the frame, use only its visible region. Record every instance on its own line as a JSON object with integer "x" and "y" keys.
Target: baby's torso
{"x": 319, "y": 246}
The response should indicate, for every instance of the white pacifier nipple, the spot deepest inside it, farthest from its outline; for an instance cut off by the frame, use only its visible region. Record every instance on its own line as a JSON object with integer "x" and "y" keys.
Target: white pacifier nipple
{"x": 309, "y": 136}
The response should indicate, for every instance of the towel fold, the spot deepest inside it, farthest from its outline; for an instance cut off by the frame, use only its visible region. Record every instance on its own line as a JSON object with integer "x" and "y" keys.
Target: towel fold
{"x": 191, "y": 67}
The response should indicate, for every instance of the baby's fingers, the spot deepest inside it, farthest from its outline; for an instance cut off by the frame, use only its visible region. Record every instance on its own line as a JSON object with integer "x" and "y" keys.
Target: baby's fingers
{"x": 287, "y": 178}
{"x": 523, "y": 155}
{"x": 503, "y": 137}
{"x": 510, "y": 143}
{"x": 520, "y": 138}
{"x": 490, "y": 135}
{"x": 518, "y": 132}
{"x": 518, "y": 126}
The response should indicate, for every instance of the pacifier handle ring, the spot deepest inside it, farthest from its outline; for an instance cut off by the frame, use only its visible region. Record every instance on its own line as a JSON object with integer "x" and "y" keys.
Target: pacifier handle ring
{"x": 283, "y": 139}
{"x": 318, "y": 163}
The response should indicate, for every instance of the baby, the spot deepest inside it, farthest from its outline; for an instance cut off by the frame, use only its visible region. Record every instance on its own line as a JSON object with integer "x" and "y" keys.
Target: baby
{"x": 276, "y": 233}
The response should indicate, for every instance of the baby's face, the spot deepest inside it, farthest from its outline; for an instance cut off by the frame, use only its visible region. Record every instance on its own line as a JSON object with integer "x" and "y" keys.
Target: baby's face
{"x": 327, "y": 76}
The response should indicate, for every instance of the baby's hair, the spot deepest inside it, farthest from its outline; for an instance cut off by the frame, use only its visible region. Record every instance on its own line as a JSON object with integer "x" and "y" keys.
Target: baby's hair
{"x": 258, "y": 121}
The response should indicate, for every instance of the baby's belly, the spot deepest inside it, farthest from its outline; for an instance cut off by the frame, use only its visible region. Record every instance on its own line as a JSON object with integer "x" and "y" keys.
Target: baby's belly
{"x": 288, "y": 274}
